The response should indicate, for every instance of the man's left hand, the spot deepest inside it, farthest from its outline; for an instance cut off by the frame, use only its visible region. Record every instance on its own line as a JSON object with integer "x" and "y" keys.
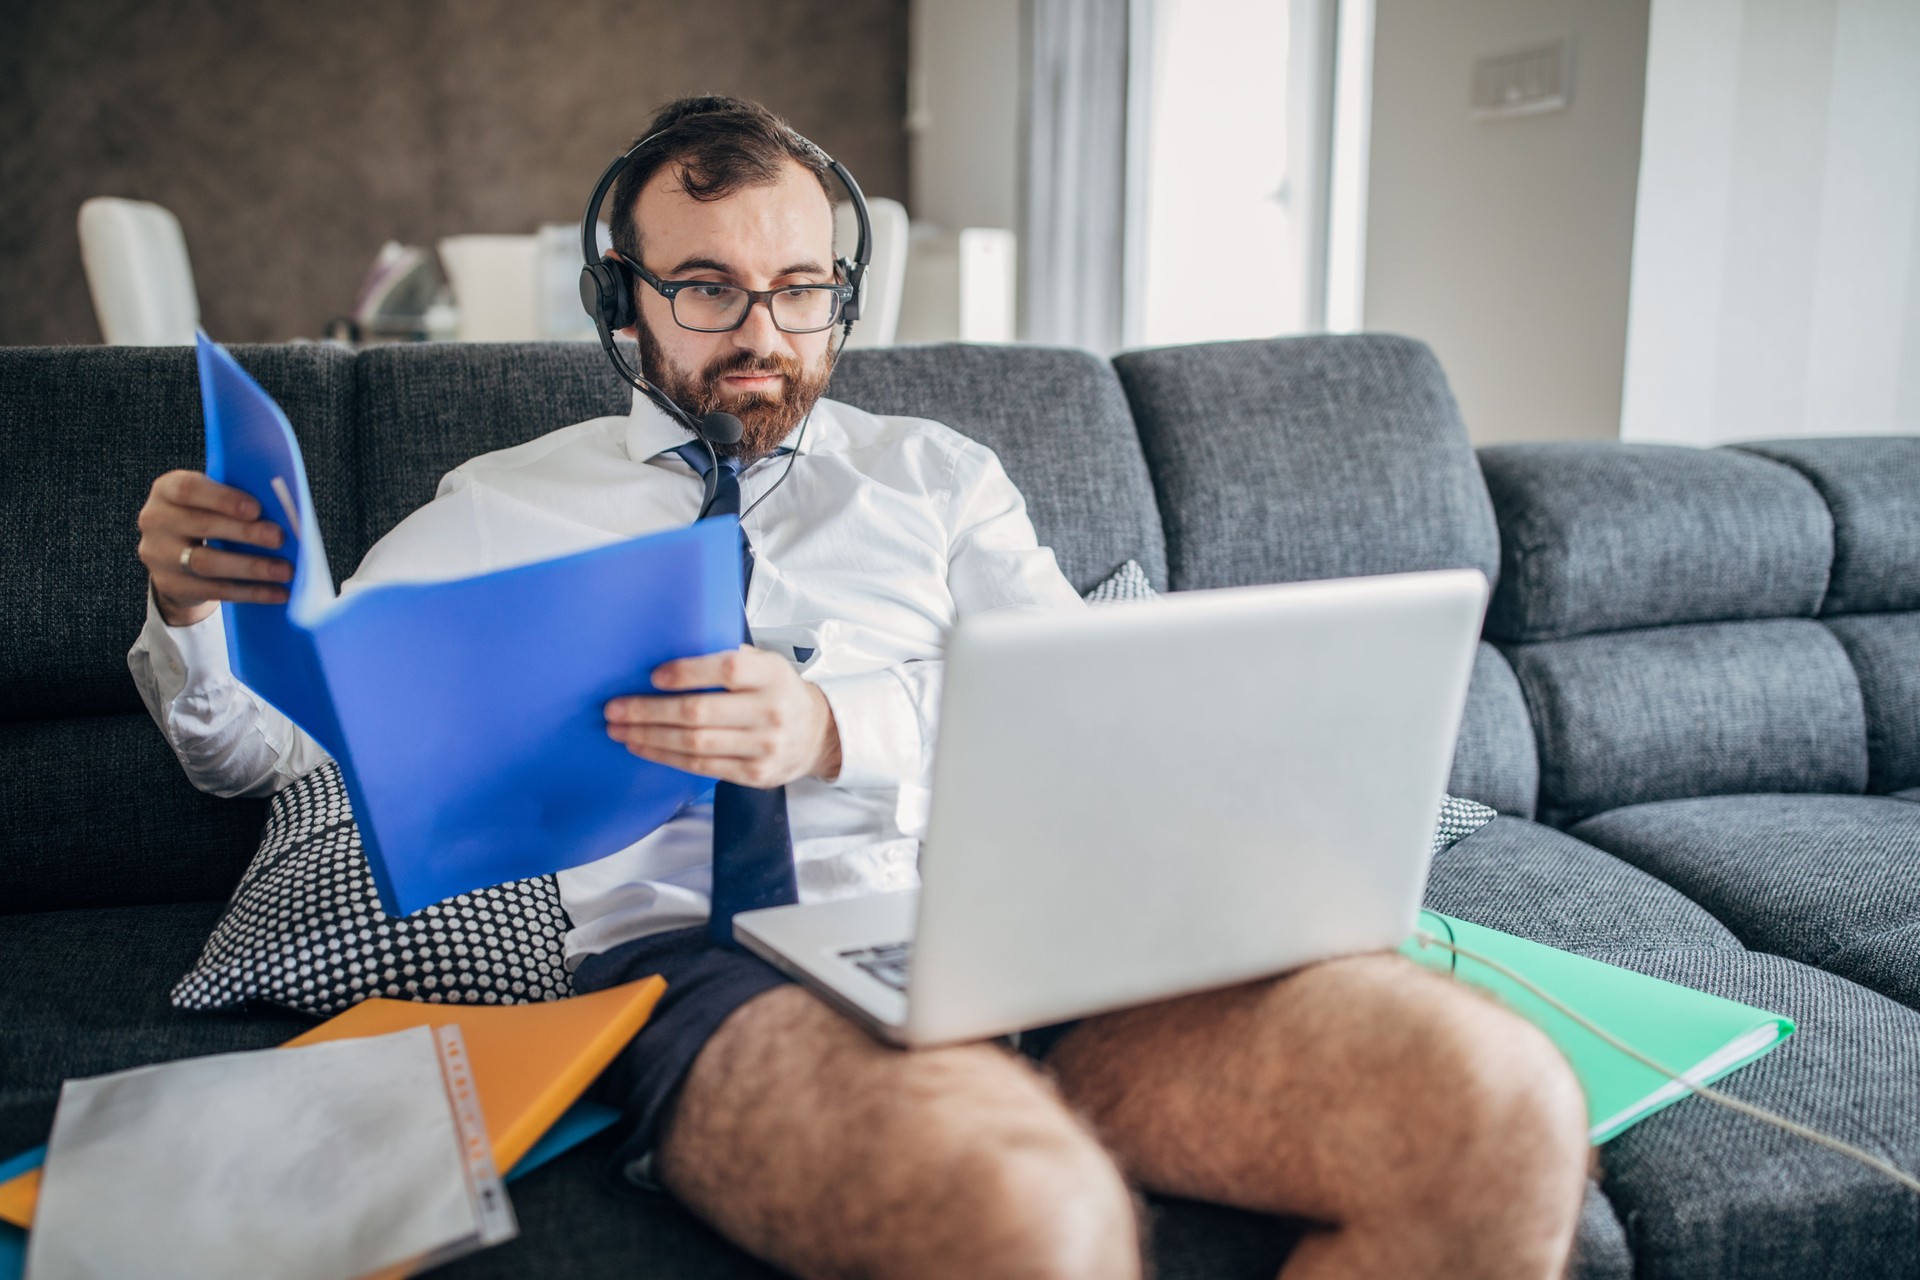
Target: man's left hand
{"x": 765, "y": 729}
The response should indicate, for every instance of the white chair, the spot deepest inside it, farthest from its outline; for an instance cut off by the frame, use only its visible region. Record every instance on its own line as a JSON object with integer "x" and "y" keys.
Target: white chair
{"x": 138, "y": 273}
{"x": 886, "y": 272}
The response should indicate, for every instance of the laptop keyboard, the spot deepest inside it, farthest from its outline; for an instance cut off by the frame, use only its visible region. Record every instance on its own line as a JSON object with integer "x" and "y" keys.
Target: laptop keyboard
{"x": 887, "y": 962}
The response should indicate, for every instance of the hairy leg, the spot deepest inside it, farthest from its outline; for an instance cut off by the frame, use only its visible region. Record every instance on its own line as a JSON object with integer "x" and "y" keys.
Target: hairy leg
{"x": 807, "y": 1143}
{"x": 1427, "y": 1131}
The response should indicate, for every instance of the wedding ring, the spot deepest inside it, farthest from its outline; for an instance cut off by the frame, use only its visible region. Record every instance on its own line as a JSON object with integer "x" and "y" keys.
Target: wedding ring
{"x": 186, "y": 552}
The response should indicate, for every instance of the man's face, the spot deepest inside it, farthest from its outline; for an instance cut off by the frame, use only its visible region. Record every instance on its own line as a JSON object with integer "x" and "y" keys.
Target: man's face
{"x": 761, "y": 237}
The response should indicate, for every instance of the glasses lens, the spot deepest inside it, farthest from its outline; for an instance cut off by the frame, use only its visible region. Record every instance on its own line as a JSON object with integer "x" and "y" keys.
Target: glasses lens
{"x": 805, "y": 310}
{"x": 709, "y": 306}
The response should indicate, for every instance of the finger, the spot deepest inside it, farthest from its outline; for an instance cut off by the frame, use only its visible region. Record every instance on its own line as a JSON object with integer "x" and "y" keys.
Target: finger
{"x": 690, "y": 709}
{"x": 211, "y": 562}
{"x": 181, "y": 587}
{"x": 196, "y": 489}
{"x": 731, "y": 744}
{"x": 747, "y": 773}
{"x": 742, "y": 668}
{"x": 187, "y": 523}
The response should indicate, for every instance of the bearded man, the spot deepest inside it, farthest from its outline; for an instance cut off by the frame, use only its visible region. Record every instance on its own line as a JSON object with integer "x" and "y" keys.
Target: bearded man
{"x": 1419, "y": 1130}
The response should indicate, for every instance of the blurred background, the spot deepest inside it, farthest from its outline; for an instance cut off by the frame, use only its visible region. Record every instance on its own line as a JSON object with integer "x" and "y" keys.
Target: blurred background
{"x": 1676, "y": 220}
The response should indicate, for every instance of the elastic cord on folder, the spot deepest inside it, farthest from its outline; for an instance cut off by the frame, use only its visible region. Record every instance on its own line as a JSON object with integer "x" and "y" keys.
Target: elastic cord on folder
{"x": 1712, "y": 1095}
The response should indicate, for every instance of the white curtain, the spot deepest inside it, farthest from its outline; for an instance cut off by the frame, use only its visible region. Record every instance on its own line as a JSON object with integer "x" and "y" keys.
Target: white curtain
{"x": 1074, "y": 195}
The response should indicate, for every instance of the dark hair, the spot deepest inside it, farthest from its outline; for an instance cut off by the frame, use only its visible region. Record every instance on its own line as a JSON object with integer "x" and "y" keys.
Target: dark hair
{"x": 721, "y": 145}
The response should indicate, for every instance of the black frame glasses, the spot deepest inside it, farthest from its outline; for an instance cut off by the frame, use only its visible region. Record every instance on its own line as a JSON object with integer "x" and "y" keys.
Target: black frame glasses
{"x": 671, "y": 290}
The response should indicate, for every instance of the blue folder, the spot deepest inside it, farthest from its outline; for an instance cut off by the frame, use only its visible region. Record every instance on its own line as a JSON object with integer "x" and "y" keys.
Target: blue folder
{"x": 468, "y": 716}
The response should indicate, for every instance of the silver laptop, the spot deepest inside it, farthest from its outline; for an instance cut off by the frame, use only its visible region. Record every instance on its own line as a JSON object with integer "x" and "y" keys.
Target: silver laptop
{"x": 1144, "y": 800}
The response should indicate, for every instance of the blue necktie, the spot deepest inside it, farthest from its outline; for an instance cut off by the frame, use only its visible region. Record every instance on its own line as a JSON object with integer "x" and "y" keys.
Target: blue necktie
{"x": 752, "y": 847}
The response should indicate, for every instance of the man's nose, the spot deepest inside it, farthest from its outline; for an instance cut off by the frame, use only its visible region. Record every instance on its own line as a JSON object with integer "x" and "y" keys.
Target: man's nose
{"x": 758, "y": 333}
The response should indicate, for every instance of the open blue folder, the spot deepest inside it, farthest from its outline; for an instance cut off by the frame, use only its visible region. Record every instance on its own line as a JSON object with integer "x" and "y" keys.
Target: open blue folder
{"x": 468, "y": 716}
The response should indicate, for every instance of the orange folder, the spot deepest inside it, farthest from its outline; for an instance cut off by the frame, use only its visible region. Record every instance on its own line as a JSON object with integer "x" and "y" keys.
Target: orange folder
{"x": 530, "y": 1061}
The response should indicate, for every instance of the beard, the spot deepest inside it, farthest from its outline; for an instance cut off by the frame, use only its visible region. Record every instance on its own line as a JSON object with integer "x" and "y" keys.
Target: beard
{"x": 768, "y": 419}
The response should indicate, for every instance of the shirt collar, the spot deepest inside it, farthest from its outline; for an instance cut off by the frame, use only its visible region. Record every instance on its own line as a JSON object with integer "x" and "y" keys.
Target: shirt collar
{"x": 650, "y": 432}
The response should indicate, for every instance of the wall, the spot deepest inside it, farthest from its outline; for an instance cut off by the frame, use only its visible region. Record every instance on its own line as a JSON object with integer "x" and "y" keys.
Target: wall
{"x": 1776, "y": 275}
{"x": 1506, "y": 244}
{"x": 293, "y": 139}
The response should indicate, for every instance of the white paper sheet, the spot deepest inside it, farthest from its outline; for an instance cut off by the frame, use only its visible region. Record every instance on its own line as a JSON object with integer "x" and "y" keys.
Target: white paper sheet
{"x": 322, "y": 1162}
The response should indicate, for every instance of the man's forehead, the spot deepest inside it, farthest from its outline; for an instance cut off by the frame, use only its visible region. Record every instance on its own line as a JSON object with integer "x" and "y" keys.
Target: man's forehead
{"x": 775, "y": 227}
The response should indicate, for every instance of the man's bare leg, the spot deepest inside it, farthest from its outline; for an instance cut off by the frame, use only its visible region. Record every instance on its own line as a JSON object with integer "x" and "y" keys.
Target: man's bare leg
{"x": 807, "y": 1143}
{"x": 1429, "y": 1132}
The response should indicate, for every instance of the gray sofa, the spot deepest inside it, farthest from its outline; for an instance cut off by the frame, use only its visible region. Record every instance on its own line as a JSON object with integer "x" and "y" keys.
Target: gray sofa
{"x": 1698, "y": 711}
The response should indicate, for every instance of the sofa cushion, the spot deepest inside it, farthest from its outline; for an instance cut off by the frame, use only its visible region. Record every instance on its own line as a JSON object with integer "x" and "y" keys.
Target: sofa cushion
{"x": 86, "y": 993}
{"x": 1538, "y": 883}
{"x": 1708, "y": 1193}
{"x": 85, "y": 431}
{"x": 1832, "y": 881}
{"x": 1872, "y": 486}
{"x": 1059, "y": 424}
{"x": 98, "y": 813}
{"x": 1885, "y": 651}
{"x": 1294, "y": 458}
{"x": 305, "y": 929}
{"x": 1715, "y": 709}
{"x": 1494, "y": 760}
{"x": 1601, "y": 536}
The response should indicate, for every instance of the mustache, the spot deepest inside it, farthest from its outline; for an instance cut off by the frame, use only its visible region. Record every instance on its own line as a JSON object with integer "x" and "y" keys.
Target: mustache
{"x": 748, "y": 362}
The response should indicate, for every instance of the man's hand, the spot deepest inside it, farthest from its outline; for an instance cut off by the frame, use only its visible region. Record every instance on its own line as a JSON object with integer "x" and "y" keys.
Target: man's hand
{"x": 185, "y": 508}
{"x": 767, "y": 729}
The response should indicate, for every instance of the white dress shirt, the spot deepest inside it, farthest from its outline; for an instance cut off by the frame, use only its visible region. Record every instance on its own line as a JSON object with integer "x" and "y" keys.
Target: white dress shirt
{"x": 887, "y": 532}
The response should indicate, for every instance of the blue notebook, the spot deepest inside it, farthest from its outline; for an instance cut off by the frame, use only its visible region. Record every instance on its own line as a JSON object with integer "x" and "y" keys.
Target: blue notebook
{"x": 467, "y": 716}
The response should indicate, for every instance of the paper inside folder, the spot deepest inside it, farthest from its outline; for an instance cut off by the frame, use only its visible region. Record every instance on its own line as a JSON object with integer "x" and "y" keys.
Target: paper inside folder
{"x": 325, "y": 1162}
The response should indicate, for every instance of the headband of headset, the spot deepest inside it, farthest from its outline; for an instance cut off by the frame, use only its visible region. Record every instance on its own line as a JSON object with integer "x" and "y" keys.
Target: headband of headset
{"x": 606, "y": 282}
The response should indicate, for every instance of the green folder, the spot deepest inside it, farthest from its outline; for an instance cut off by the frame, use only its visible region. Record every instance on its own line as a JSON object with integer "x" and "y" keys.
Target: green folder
{"x": 1701, "y": 1036}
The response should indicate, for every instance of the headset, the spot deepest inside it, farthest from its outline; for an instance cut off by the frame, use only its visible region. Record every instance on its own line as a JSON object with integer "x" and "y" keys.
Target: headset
{"x": 607, "y": 292}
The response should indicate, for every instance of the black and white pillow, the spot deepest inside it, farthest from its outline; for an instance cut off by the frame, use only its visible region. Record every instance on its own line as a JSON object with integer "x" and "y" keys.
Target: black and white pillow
{"x": 1459, "y": 818}
{"x": 305, "y": 928}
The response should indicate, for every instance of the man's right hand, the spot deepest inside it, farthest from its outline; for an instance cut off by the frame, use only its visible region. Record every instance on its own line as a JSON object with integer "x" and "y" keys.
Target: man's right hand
{"x": 183, "y": 510}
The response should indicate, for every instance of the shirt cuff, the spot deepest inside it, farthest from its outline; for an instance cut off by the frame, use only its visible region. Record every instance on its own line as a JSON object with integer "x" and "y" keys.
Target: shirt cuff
{"x": 185, "y": 655}
{"x": 879, "y": 728}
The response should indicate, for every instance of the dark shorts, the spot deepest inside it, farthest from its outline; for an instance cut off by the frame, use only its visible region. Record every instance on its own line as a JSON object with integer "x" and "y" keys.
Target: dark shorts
{"x": 705, "y": 983}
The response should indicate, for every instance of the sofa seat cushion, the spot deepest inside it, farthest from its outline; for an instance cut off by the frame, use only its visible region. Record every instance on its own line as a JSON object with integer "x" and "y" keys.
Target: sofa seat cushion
{"x": 1530, "y": 880}
{"x": 86, "y": 993}
{"x": 1832, "y": 881}
{"x": 1706, "y": 1192}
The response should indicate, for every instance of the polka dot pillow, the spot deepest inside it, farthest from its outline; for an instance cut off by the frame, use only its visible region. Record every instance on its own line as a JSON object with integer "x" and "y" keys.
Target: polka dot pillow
{"x": 305, "y": 928}
{"x": 1458, "y": 818}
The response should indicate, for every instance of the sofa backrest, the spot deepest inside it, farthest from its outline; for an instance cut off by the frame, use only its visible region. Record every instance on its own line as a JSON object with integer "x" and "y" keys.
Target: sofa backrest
{"x": 1058, "y": 421}
{"x": 1329, "y": 457}
{"x": 1664, "y": 609}
{"x": 97, "y": 808}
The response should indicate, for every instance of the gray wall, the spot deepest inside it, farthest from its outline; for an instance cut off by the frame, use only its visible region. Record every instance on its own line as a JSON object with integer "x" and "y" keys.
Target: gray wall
{"x": 292, "y": 139}
{"x": 1506, "y": 244}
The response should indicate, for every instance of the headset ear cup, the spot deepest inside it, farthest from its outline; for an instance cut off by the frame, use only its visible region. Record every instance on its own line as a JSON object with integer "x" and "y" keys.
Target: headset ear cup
{"x": 606, "y": 291}
{"x": 856, "y": 276}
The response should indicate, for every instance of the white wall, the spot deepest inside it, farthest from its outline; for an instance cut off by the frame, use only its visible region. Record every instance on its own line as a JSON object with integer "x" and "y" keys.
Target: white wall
{"x": 1776, "y": 272}
{"x": 1506, "y": 244}
{"x": 963, "y": 112}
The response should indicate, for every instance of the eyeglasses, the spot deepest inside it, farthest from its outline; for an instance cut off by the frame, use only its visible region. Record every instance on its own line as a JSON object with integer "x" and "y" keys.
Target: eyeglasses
{"x": 706, "y": 306}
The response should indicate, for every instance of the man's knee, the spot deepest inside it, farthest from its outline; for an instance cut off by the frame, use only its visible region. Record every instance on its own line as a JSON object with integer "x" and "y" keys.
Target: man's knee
{"x": 1043, "y": 1205}
{"x": 1503, "y": 1112}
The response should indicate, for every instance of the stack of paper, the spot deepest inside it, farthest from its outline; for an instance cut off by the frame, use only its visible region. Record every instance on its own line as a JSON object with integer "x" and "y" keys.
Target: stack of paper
{"x": 325, "y": 1162}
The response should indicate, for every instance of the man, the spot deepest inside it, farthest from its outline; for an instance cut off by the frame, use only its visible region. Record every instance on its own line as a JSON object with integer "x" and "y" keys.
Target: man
{"x": 1420, "y": 1130}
